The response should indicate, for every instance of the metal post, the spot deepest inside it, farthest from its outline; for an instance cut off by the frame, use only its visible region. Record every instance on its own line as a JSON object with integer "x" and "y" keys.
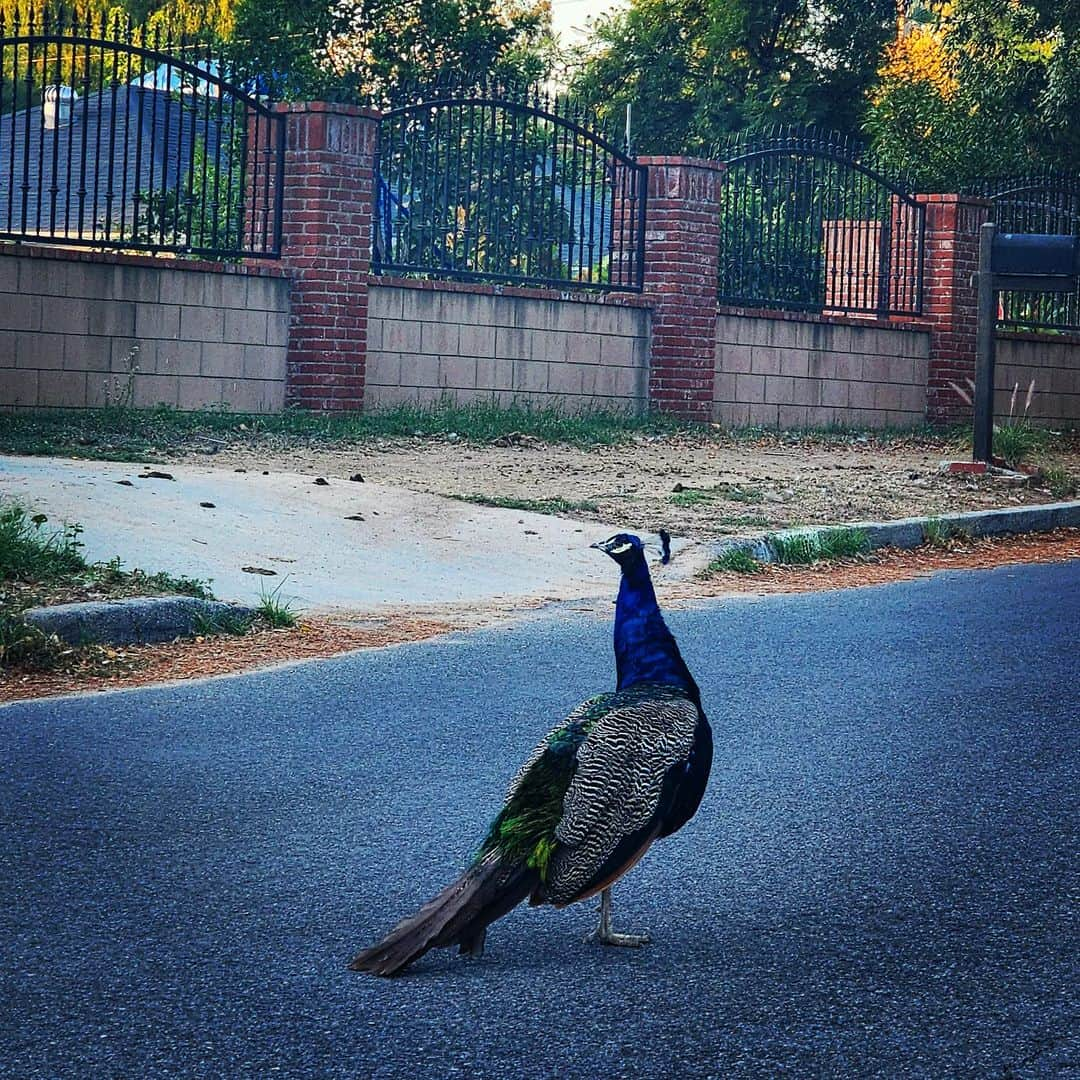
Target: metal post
{"x": 984, "y": 348}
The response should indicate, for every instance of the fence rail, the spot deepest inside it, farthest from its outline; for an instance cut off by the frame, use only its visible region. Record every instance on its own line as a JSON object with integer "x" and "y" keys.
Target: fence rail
{"x": 1039, "y": 203}
{"x": 484, "y": 185}
{"x": 807, "y": 225}
{"x": 114, "y": 137}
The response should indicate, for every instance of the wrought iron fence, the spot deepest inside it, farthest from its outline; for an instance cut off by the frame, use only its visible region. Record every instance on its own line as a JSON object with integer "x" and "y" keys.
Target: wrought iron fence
{"x": 487, "y": 185}
{"x": 808, "y": 225}
{"x": 116, "y": 137}
{"x": 1040, "y": 203}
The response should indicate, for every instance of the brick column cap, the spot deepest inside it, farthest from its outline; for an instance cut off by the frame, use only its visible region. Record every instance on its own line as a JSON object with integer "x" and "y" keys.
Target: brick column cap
{"x": 683, "y": 162}
{"x": 967, "y": 200}
{"x": 336, "y": 108}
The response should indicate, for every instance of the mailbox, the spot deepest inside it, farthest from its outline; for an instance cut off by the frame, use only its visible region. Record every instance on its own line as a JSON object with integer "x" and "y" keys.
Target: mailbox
{"x": 1036, "y": 255}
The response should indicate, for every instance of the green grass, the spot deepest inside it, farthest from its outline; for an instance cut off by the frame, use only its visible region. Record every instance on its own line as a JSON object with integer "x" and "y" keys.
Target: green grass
{"x": 125, "y": 434}
{"x": 687, "y": 496}
{"x": 277, "y": 614}
{"x": 1015, "y": 443}
{"x": 41, "y": 563}
{"x": 936, "y": 533}
{"x": 738, "y": 560}
{"x": 537, "y": 506}
{"x": 1061, "y": 483}
{"x": 806, "y": 548}
{"x": 29, "y": 551}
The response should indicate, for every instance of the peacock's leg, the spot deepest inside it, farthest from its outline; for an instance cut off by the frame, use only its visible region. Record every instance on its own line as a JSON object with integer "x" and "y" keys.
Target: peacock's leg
{"x": 605, "y": 935}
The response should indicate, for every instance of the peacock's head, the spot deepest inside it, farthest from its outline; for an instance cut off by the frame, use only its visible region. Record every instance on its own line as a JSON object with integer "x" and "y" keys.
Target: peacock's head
{"x": 625, "y": 548}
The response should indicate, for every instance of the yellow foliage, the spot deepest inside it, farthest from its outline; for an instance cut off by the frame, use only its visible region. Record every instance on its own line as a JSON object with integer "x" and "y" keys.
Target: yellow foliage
{"x": 918, "y": 57}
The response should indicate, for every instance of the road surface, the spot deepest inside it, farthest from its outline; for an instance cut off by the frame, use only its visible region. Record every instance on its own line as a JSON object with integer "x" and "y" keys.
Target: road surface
{"x": 877, "y": 885}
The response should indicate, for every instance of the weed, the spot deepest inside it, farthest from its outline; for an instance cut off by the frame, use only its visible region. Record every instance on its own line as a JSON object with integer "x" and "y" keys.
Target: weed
{"x": 687, "y": 496}
{"x": 804, "y": 548}
{"x": 179, "y": 584}
{"x": 1062, "y": 485}
{"x": 1015, "y": 443}
{"x": 738, "y": 560}
{"x": 209, "y": 625}
{"x": 278, "y": 614}
{"x": 742, "y": 521}
{"x": 30, "y": 552}
{"x": 537, "y": 506}
{"x": 690, "y": 497}
{"x": 936, "y": 533}
{"x": 26, "y": 645}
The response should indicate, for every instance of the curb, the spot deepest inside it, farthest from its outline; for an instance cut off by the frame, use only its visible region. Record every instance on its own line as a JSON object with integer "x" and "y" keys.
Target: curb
{"x": 910, "y": 532}
{"x": 135, "y": 620}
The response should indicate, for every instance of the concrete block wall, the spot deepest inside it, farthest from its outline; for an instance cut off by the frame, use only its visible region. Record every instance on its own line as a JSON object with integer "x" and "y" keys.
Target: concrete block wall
{"x": 778, "y": 371}
{"x": 428, "y": 341}
{"x": 80, "y": 330}
{"x": 1053, "y": 362}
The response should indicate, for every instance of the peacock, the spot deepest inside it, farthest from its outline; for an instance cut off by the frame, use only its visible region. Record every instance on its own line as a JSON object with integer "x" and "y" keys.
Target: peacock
{"x": 622, "y": 770}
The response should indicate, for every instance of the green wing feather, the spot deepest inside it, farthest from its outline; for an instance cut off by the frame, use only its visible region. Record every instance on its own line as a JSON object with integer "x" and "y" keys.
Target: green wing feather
{"x": 524, "y": 830}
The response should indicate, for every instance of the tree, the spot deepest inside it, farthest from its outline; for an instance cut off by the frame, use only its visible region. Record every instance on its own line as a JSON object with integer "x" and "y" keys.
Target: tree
{"x": 696, "y": 71}
{"x": 354, "y": 50}
{"x": 979, "y": 88}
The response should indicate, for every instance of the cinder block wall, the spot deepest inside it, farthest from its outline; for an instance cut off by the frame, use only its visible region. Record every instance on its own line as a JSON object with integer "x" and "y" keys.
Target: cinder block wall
{"x": 82, "y": 330}
{"x": 433, "y": 340}
{"x": 779, "y": 371}
{"x": 1054, "y": 364}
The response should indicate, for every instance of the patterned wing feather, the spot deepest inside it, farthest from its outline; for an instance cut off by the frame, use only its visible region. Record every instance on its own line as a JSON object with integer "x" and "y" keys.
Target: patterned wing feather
{"x": 616, "y": 789}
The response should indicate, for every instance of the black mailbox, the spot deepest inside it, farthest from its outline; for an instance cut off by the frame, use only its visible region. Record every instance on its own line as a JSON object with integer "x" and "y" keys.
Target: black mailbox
{"x": 1036, "y": 255}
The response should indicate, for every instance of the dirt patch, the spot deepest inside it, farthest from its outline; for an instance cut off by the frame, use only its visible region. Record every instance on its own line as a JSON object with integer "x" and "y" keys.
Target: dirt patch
{"x": 198, "y": 658}
{"x": 886, "y": 565}
{"x": 699, "y": 487}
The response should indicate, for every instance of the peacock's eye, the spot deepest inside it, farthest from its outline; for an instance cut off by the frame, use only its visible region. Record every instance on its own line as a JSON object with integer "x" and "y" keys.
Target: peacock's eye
{"x": 621, "y": 548}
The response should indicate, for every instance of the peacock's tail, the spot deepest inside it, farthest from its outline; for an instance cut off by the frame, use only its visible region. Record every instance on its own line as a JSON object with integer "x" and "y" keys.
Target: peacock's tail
{"x": 459, "y": 915}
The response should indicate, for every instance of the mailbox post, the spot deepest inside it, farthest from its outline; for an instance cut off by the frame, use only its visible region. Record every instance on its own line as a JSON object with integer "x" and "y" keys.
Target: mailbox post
{"x": 1019, "y": 262}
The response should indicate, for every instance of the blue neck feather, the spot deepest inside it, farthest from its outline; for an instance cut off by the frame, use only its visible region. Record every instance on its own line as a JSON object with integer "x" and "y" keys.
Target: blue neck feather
{"x": 645, "y": 650}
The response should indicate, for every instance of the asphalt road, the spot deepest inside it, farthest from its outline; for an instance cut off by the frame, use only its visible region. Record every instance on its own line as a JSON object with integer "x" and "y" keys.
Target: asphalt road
{"x": 877, "y": 885}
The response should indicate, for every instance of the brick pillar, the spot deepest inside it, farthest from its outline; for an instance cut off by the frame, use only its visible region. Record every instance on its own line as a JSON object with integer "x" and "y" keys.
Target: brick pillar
{"x": 682, "y": 251}
{"x": 326, "y": 247}
{"x": 950, "y": 299}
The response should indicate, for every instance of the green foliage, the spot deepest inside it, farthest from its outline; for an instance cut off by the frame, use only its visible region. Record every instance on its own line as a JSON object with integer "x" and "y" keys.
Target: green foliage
{"x": 695, "y": 71}
{"x": 207, "y": 209}
{"x": 810, "y": 547}
{"x": 736, "y": 560}
{"x": 981, "y": 89}
{"x": 354, "y": 51}
{"x": 221, "y": 623}
{"x": 31, "y": 552}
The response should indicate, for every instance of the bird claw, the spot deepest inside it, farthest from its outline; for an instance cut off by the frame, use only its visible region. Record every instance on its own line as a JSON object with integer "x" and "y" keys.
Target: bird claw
{"x": 630, "y": 941}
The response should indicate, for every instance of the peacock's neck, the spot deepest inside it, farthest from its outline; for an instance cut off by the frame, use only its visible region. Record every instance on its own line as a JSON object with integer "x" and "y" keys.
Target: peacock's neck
{"x": 645, "y": 650}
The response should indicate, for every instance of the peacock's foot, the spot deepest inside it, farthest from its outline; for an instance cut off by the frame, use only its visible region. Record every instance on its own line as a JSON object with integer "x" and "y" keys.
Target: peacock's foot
{"x": 630, "y": 941}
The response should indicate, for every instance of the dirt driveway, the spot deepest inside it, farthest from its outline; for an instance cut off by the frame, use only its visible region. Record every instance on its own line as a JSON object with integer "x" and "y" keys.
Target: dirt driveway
{"x": 698, "y": 487}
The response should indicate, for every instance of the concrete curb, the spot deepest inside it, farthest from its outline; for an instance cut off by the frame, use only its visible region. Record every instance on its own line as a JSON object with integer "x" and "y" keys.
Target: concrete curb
{"x": 136, "y": 620}
{"x": 911, "y": 532}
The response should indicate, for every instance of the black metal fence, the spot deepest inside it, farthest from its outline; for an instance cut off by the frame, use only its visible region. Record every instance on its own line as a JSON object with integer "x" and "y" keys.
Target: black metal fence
{"x": 487, "y": 185}
{"x": 1041, "y": 203}
{"x": 116, "y": 137}
{"x": 807, "y": 225}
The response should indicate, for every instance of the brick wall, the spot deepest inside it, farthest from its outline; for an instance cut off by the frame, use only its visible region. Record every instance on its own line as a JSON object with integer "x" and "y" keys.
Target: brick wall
{"x": 798, "y": 371}
{"x": 682, "y": 252}
{"x": 1054, "y": 364}
{"x": 433, "y": 340}
{"x": 326, "y": 248}
{"x": 82, "y": 330}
